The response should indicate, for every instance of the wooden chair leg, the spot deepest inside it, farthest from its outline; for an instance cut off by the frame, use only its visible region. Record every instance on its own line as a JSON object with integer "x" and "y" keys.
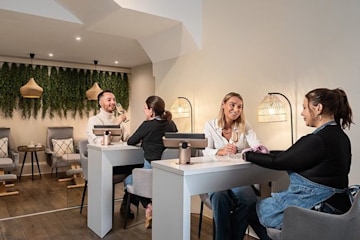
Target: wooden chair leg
{"x": 72, "y": 167}
{"x": 4, "y": 177}
{"x": 77, "y": 178}
{"x": 3, "y": 191}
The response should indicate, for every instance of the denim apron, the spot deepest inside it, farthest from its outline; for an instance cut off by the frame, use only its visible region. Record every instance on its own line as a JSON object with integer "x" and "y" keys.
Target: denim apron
{"x": 301, "y": 193}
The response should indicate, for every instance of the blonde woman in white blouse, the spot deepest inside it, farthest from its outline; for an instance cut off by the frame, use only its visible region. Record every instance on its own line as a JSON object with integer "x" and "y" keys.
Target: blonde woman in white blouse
{"x": 227, "y": 135}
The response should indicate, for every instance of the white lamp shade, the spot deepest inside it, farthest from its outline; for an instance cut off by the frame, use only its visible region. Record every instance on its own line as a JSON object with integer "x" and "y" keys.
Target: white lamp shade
{"x": 181, "y": 109}
{"x": 271, "y": 109}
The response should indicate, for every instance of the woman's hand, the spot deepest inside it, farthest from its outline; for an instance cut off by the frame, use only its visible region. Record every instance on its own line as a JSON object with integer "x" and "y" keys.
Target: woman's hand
{"x": 227, "y": 149}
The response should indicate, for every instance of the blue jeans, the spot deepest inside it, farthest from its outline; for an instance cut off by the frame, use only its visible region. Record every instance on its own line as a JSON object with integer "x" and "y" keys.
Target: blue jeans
{"x": 230, "y": 210}
{"x": 129, "y": 180}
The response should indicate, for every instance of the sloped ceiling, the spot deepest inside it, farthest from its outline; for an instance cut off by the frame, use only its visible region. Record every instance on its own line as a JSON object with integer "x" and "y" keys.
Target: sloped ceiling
{"x": 108, "y": 32}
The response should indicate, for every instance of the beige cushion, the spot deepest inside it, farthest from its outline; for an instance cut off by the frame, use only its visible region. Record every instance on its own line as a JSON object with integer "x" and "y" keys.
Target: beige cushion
{"x": 4, "y": 147}
{"x": 62, "y": 146}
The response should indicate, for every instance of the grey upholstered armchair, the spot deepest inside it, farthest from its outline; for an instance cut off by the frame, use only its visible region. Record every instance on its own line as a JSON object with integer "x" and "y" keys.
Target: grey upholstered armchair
{"x": 9, "y": 161}
{"x": 301, "y": 223}
{"x": 60, "y": 143}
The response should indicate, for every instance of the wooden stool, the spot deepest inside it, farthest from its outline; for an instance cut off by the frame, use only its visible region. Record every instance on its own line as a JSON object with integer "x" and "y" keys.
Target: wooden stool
{"x": 75, "y": 172}
{"x": 6, "y": 177}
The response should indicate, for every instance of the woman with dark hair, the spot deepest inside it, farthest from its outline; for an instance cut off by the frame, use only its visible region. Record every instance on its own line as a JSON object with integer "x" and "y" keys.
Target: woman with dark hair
{"x": 149, "y": 134}
{"x": 318, "y": 164}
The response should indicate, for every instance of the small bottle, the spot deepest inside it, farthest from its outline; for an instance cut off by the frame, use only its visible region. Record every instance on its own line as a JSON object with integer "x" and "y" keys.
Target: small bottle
{"x": 185, "y": 153}
{"x": 106, "y": 137}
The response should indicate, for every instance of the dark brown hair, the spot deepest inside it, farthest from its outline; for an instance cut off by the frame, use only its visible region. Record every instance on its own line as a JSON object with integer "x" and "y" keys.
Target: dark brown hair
{"x": 102, "y": 93}
{"x": 157, "y": 104}
{"x": 334, "y": 102}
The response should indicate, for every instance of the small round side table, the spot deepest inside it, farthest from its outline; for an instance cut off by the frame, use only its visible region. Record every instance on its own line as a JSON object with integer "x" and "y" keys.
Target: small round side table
{"x": 33, "y": 151}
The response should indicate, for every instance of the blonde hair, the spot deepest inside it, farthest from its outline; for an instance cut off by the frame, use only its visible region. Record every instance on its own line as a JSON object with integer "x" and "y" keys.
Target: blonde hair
{"x": 239, "y": 123}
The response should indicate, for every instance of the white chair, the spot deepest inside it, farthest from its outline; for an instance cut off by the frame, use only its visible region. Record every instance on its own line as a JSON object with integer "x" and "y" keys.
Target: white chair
{"x": 141, "y": 186}
{"x": 9, "y": 160}
{"x": 142, "y": 179}
{"x": 170, "y": 153}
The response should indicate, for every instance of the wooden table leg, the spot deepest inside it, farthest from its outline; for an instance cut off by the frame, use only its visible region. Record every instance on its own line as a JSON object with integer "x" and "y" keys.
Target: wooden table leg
{"x": 23, "y": 164}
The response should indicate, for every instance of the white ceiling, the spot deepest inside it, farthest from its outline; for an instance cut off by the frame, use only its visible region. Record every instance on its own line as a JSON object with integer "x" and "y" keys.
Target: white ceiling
{"x": 108, "y": 32}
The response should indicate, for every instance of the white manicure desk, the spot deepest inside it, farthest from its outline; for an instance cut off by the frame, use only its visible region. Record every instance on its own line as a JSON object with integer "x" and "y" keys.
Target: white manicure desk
{"x": 101, "y": 160}
{"x": 173, "y": 186}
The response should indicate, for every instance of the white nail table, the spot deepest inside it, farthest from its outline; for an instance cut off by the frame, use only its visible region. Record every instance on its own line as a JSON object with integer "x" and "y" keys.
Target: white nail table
{"x": 101, "y": 160}
{"x": 173, "y": 186}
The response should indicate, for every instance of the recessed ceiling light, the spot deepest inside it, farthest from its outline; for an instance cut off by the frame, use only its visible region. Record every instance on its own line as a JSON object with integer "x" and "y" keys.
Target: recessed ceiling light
{"x": 51, "y": 55}
{"x": 116, "y": 62}
{"x": 78, "y": 38}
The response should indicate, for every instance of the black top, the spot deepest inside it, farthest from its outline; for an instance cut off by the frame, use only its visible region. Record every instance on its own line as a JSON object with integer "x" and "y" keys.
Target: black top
{"x": 323, "y": 157}
{"x": 150, "y": 134}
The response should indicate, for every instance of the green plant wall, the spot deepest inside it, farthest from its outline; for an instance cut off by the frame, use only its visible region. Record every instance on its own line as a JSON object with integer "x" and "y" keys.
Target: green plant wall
{"x": 64, "y": 92}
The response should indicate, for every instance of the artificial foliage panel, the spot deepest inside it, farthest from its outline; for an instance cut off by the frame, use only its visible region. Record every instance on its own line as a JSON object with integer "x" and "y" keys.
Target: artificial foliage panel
{"x": 64, "y": 92}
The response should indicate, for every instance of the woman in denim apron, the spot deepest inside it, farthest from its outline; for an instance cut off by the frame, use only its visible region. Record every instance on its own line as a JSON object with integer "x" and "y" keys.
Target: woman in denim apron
{"x": 318, "y": 164}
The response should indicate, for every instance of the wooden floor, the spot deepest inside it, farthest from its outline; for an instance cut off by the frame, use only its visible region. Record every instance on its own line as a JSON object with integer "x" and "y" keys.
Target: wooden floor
{"x": 47, "y": 209}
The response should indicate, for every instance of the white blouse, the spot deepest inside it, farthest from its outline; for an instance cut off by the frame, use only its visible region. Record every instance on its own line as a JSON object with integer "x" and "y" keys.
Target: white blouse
{"x": 216, "y": 141}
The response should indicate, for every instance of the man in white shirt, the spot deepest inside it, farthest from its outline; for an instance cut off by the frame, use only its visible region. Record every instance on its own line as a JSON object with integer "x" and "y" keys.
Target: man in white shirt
{"x": 106, "y": 116}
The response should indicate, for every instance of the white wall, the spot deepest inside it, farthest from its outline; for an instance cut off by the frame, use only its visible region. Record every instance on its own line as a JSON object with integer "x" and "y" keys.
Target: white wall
{"x": 254, "y": 47}
{"x": 142, "y": 86}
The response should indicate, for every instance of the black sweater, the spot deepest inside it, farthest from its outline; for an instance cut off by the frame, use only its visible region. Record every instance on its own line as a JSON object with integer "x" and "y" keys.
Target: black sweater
{"x": 150, "y": 134}
{"x": 323, "y": 157}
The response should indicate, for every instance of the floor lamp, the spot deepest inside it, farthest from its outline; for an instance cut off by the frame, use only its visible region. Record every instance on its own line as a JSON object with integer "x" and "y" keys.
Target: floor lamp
{"x": 182, "y": 108}
{"x": 272, "y": 109}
